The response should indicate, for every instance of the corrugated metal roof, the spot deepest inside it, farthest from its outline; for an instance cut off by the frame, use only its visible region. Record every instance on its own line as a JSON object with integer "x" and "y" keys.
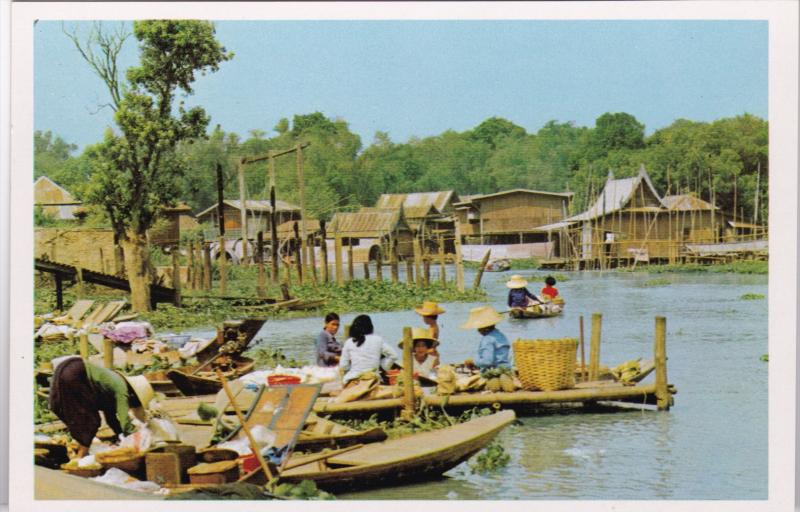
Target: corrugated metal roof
{"x": 686, "y": 202}
{"x": 418, "y": 204}
{"x": 368, "y": 223}
{"x": 616, "y": 194}
{"x": 256, "y": 205}
{"x": 286, "y": 229}
{"x": 48, "y": 192}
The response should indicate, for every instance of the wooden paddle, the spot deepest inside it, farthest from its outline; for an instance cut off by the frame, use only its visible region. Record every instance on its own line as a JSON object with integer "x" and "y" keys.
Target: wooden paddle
{"x": 194, "y": 372}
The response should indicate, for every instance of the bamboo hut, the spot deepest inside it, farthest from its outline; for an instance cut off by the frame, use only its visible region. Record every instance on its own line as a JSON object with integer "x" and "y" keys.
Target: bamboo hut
{"x": 430, "y": 214}
{"x": 371, "y": 232}
{"x": 258, "y": 215}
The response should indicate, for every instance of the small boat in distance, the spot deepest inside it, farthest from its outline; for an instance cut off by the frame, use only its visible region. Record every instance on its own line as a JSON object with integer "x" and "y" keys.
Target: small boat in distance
{"x": 498, "y": 265}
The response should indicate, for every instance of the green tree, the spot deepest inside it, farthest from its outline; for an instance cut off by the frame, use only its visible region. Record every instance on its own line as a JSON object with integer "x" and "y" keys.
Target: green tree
{"x": 616, "y": 131}
{"x": 494, "y": 129}
{"x": 135, "y": 170}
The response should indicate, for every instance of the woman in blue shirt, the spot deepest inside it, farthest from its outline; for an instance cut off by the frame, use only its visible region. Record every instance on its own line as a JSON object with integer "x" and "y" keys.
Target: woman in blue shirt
{"x": 518, "y": 295}
{"x": 494, "y": 350}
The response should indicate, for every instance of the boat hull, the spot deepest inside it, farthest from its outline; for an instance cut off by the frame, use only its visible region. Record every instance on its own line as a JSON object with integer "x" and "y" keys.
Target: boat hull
{"x": 192, "y": 385}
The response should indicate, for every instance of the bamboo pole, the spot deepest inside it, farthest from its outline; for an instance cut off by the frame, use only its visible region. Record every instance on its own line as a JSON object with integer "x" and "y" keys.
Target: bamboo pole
{"x": 408, "y": 375}
{"x": 261, "y": 288}
{"x": 197, "y": 282}
{"x": 426, "y": 271}
{"x": 298, "y": 248}
{"x": 190, "y": 265}
{"x": 337, "y": 256}
{"x": 584, "y": 375}
{"x": 253, "y": 445}
{"x": 350, "y": 273}
{"x": 393, "y": 258}
{"x": 108, "y": 353}
{"x": 176, "y": 278}
{"x": 83, "y": 339}
{"x": 366, "y": 270}
{"x": 206, "y": 266}
{"x": 442, "y": 268}
{"x": 409, "y": 271}
{"x": 459, "y": 260}
{"x": 323, "y": 248}
{"x": 594, "y": 349}
{"x": 79, "y": 275}
{"x": 379, "y": 266}
{"x": 273, "y": 220}
{"x": 660, "y": 354}
{"x": 312, "y": 259}
{"x": 417, "y": 256}
{"x": 481, "y": 268}
{"x": 303, "y": 214}
{"x": 243, "y": 211}
{"x": 223, "y": 278}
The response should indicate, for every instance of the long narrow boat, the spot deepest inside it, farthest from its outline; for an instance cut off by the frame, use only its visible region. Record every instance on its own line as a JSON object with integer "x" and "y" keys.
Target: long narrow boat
{"x": 533, "y": 312}
{"x": 206, "y": 382}
{"x": 415, "y": 457}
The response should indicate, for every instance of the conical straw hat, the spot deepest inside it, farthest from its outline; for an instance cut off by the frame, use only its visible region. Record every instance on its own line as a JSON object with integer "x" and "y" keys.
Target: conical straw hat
{"x": 429, "y": 309}
{"x": 141, "y": 386}
{"x": 484, "y": 316}
{"x": 517, "y": 281}
{"x": 418, "y": 333}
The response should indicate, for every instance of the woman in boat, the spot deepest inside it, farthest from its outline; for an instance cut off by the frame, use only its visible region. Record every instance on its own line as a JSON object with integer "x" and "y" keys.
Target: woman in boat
{"x": 494, "y": 350}
{"x": 364, "y": 351}
{"x": 425, "y": 357}
{"x": 430, "y": 311}
{"x": 518, "y": 295}
{"x": 81, "y": 389}
{"x": 328, "y": 349}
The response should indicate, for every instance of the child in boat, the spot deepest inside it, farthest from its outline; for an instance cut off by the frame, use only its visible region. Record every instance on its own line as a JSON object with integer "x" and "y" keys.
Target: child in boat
{"x": 518, "y": 295}
{"x": 430, "y": 311}
{"x": 328, "y": 349}
{"x": 364, "y": 351}
{"x": 425, "y": 359}
{"x": 494, "y": 350}
{"x": 549, "y": 292}
{"x": 80, "y": 390}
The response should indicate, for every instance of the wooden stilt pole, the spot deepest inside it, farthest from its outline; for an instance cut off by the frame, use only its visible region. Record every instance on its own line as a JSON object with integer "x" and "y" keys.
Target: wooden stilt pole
{"x": 481, "y": 268}
{"x": 366, "y": 270}
{"x": 417, "y": 258}
{"x": 393, "y": 258}
{"x": 459, "y": 260}
{"x": 408, "y": 375}
{"x": 426, "y": 271}
{"x": 442, "y": 267}
{"x": 222, "y": 261}
{"x": 298, "y": 251}
{"x": 337, "y": 257}
{"x": 409, "y": 271}
{"x": 261, "y": 289}
{"x": 312, "y": 259}
{"x": 594, "y": 349}
{"x": 660, "y": 354}
{"x": 59, "y": 292}
{"x": 197, "y": 282}
{"x": 190, "y": 265}
{"x": 323, "y": 249}
{"x": 206, "y": 266}
{"x": 176, "y": 277}
{"x": 584, "y": 375}
{"x": 79, "y": 275}
{"x": 243, "y": 211}
{"x": 273, "y": 221}
{"x": 379, "y": 266}
{"x": 350, "y": 263}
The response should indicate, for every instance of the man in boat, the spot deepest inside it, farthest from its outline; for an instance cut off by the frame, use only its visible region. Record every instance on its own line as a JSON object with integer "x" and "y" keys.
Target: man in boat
{"x": 328, "y": 348}
{"x": 425, "y": 359}
{"x": 494, "y": 350}
{"x": 518, "y": 295}
{"x": 80, "y": 390}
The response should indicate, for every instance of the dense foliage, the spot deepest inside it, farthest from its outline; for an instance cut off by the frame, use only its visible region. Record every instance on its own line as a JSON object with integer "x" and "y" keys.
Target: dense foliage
{"x": 725, "y": 161}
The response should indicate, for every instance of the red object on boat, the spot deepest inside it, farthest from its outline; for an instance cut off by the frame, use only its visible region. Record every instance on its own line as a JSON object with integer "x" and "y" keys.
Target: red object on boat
{"x": 278, "y": 380}
{"x": 392, "y": 375}
{"x": 250, "y": 463}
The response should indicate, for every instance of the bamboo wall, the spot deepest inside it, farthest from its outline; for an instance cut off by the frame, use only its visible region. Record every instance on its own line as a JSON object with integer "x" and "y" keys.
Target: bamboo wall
{"x": 513, "y": 213}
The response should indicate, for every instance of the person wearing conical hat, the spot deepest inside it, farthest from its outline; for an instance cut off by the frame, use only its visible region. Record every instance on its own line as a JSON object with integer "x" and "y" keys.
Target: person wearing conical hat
{"x": 80, "y": 390}
{"x": 518, "y": 295}
{"x": 494, "y": 350}
{"x": 425, "y": 359}
{"x": 430, "y": 311}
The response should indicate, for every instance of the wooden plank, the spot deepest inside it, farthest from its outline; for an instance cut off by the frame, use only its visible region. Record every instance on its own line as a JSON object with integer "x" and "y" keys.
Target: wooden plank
{"x": 80, "y": 308}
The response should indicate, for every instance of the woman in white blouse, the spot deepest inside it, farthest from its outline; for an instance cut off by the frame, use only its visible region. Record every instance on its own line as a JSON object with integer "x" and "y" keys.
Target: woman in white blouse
{"x": 364, "y": 351}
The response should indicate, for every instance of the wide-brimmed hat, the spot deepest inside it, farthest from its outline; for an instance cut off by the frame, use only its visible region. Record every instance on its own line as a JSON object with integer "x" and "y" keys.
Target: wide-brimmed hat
{"x": 141, "y": 386}
{"x": 429, "y": 309}
{"x": 517, "y": 281}
{"x": 484, "y": 316}
{"x": 418, "y": 333}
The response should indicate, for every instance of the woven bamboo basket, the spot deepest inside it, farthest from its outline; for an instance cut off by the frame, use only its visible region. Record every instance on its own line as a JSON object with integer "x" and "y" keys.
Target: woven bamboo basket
{"x": 546, "y": 365}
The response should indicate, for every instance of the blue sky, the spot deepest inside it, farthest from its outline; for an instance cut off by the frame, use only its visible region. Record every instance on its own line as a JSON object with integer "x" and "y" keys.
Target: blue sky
{"x": 419, "y": 78}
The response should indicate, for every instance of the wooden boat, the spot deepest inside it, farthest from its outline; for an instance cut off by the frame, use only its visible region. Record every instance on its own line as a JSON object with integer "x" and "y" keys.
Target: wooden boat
{"x": 416, "y": 457}
{"x": 498, "y": 265}
{"x": 534, "y": 311}
{"x": 205, "y": 382}
{"x": 320, "y": 433}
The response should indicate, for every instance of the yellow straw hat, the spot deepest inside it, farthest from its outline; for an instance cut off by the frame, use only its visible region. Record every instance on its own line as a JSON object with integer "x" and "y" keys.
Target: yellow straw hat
{"x": 484, "y": 316}
{"x": 517, "y": 281}
{"x": 418, "y": 333}
{"x": 429, "y": 309}
{"x": 141, "y": 386}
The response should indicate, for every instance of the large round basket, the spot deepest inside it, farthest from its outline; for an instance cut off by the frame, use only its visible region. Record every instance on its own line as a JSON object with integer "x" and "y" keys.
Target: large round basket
{"x": 546, "y": 365}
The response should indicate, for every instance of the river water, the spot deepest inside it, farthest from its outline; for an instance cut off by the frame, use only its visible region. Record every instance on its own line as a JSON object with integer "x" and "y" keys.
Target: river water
{"x": 711, "y": 445}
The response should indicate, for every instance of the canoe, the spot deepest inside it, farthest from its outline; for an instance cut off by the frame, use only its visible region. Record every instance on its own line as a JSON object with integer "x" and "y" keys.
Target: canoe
{"x": 499, "y": 265}
{"x": 320, "y": 433}
{"x": 533, "y": 312}
{"x": 411, "y": 458}
{"x": 206, "y": 382}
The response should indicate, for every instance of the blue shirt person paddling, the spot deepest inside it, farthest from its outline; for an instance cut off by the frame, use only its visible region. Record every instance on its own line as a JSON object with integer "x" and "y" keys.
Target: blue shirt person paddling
{"x": 518, "y": 295}
{"x": 494, "y": 350}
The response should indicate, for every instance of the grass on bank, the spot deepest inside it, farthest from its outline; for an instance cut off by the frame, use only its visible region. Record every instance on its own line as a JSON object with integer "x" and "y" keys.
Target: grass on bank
{"x": 737, "y": 267}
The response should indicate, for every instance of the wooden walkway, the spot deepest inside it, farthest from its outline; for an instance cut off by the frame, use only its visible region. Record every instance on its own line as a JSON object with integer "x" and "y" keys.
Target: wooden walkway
{"x": 62, "y": 271}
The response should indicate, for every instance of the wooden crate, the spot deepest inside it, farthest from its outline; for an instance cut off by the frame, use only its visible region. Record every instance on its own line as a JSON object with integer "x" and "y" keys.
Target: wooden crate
{"x": 163, "y": 468}
{"x": 222, "y": 472}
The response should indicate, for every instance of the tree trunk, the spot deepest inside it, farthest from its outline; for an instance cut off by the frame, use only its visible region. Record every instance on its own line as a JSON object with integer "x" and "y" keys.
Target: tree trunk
{"x": 137, "y": 262}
